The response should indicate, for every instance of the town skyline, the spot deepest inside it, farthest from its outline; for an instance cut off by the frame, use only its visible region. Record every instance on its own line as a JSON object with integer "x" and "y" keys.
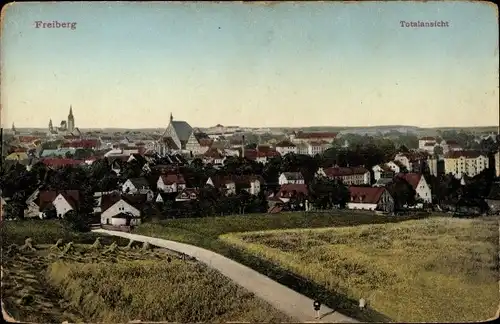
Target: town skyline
{"x": 250, "y": 66}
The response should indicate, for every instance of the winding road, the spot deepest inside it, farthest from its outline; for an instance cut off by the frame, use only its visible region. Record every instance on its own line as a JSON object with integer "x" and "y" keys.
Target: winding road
{"x": 279, "y": 296}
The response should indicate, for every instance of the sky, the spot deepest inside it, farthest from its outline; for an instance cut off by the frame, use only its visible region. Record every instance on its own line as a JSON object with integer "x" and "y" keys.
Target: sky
{"x": 130, "y": 65}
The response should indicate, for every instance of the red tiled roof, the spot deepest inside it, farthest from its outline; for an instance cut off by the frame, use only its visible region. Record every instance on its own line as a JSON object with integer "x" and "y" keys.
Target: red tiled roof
{"x": 427, "y": 138}
{"x": 54, "y": 162}
{"x": 46, "y": 197}
{"x": 109, "y": 200}
{"x": 87, "y": 143}
{"x": 20, "y": 150}
{"x": 285, "y": 143}
{"x": 465, "y": 154}
{"x": 253, "y": 154}
{"x": 188, "y": 191}
{"x": 286, "y": 190}
{"x": 412, "y": 178}
{"x": 169, "y": 179}
{"x": 429, "y": 144}
{"x": 315, "y": 135}
{"x": 343, "y": 172}
{"x": 27, "y": 139}
{"x": 366, "y": 195}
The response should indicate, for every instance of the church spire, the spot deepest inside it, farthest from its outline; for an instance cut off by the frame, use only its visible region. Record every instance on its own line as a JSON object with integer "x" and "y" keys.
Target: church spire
{"x": 13, "y": 128}
{"x": 171, "y": 117}
{"x": 70, "y": 111}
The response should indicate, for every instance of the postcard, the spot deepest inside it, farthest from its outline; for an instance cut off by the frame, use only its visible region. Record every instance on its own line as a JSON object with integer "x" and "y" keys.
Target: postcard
{"x": 307, "y": 161}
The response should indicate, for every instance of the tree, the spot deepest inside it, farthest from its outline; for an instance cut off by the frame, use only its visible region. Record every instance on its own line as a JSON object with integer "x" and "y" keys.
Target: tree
{"x": 75, "y": 221}
{"x": 326, "y": 193}
{"x": 402, "y": 193}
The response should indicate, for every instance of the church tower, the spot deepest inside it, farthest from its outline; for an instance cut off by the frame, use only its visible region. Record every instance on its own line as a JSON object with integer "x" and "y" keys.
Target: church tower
{"x": 13, "y": 128}
{"x": 171, "y": 117}
{"x": 51, "y": 128}
{"x": 71, "y": 120}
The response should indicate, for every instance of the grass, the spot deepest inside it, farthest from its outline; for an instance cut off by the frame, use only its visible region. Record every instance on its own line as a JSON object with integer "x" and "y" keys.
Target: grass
{"x": 206, "y": 233}
{"x": 431, "y": 270}
{"x": 89, "y": 285}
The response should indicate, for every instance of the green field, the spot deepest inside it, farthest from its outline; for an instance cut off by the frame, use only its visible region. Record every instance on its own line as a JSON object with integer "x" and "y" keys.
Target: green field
{"x": 205, "y": 232}
{"x": 430, "y": 270}
{"x": 88, "y": 284}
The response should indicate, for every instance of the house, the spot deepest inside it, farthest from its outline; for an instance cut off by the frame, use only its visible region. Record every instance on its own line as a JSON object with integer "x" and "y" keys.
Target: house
{"x": 412, "y": 161}
{"x": 291, "y": 178}
{"x": 171, "y": 183}
{"x": 162, "y": 197}
{"x": 62, "y": 201}
{"x": 348, "y": 175}
{"x": 285, "y": 147}
{"x": 119, "y": 210}
{"x": 249, "y": 183}
{"x": 419, "y": 184}
{"x": 493, "y": 199}
{"x": 289, "y": 191}
{"x": 460, "y": 163}
{"x": 383, "y": 171}
{"x": 450, "y": 146}
{"x": 187, "y": 194}
{"x": 138, "y": 186}
{"x": 427, "y": 143}
{"x": 224, "y": 183}
{"x": 305, "y": 137}
{"x": 317, "y": 147}
{"x": 260, "y": 154}
{"x": 370, "y": 198}
{"x": 213, "y": 156}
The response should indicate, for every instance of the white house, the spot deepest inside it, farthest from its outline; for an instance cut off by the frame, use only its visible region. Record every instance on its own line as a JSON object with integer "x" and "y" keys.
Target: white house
{"x": 187, "y": 194}
{"x": 418, "y": 183}
{"x": 224, "y": 183}
{"x": 291, "y": 178}
{"x": 171, "y": 183}
{"x": 116, "y": 210}
{"x": 63, "y": 202}
{"x": 370, "y": 198}
{"x": 285, "y": 147}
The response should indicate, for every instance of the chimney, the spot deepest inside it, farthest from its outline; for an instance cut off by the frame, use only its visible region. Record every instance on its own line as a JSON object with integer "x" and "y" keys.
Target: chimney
{"x": 243, "y": 146}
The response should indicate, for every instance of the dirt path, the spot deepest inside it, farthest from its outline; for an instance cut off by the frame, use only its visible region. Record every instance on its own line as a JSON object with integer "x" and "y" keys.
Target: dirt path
{"x": 282, "y": 298}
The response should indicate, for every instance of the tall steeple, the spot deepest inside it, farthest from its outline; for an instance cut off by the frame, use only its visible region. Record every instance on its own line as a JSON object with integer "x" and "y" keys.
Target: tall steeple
{"x": 171, "y": 117}
{"x": 71, "y": 120}
{"x": 13, "y": 128}
{"x": 50, "y": 126}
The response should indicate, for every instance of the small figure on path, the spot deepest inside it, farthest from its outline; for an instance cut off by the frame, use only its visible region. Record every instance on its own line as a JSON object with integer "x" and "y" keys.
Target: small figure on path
{"x": 362, "y": 303}
{"x": 317, "y": 307}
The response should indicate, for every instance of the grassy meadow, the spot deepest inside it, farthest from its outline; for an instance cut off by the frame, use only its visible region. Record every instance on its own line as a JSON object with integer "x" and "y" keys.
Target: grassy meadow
{"x": 205, "y": 232}
{"x": 81, "y": 282}
{"x": 428, "y": 270}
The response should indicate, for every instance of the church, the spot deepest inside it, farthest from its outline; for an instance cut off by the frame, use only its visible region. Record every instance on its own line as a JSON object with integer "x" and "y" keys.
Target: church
{"x": 66, "y": 127}
{"x": 178, "y": 137}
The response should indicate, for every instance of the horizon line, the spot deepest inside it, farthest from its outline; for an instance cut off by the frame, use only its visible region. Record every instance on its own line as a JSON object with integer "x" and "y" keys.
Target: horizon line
{"x": 271, "y": 127}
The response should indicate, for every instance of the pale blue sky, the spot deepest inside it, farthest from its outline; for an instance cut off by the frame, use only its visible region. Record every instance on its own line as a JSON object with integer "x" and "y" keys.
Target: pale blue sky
{"x": 309, "y": 64}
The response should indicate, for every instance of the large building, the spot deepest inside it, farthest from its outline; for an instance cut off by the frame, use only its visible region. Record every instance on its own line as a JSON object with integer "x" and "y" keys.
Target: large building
{"x": 179, "y": 137}
{"x": 469, "y": 163}
{"x": 65, "y": 127}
